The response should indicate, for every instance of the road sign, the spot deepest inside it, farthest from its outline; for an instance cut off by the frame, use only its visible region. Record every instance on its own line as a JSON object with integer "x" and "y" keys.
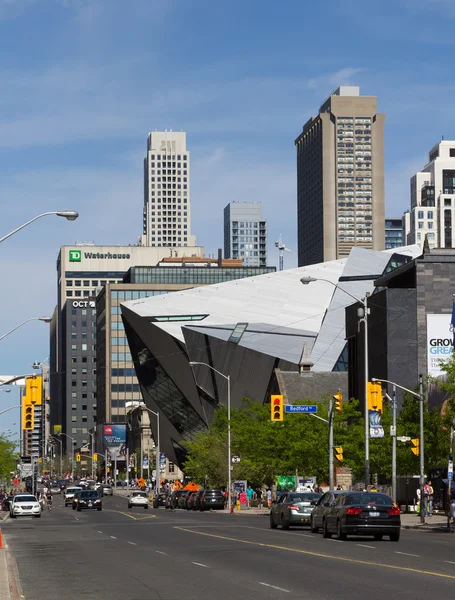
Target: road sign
{"x": 404, "y": 438}
{"x": 26, "y": 460}
{"x": 301, "y": 409}
{"x": 235, "y": 459}
{"x": 393, "y": 430}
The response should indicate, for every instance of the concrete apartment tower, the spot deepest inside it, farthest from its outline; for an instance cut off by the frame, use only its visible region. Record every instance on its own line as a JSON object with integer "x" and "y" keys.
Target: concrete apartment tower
{"x": 340, "y": 178}
{"x": 167, "y": 214}
{"x": 245, "y": 233}
{"x": 432, "y": 214}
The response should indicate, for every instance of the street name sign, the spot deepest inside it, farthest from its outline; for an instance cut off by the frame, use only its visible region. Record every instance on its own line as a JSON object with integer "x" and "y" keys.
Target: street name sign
{"x": 404, "y": 438}
{"x": 301, "y": 409}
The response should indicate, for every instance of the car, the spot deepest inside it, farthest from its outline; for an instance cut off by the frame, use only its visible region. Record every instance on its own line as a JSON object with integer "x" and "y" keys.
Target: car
{"x": 23, "y": 505}
{"x": 106, "y": 490}
{"x": 318, "y": 512}
{"x": 190, "y": 501}
{"x": 62, "y": 484}
{"x": 138, "y": 498}
{"x": 197, "y": 500}
{"x": 76, "y": 499}
{"x": 159, "y": 500}
{"x": 362, "y": 513}
{"x": 293, "y": 508}
{"x": 55, "y": 489}
{"x": 175, "y": 497}
{"x": 183, "y": 499}
{"x": 69, "y": 493}
{"x": 88, "y": 499}
{"x": 211, "y": 499}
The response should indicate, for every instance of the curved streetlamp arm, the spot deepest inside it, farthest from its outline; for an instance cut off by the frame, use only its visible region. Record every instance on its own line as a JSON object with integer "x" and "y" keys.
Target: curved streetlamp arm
{"x": 20, "y": 325}
{"x": 5, "y": 237}
{"x": 9, "y": 408}
{"x": 307, "y": 280}
{"x": 192, "y": 364}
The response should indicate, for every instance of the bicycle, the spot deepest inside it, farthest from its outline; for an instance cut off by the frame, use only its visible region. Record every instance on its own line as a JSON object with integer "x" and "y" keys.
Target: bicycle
{"x": 49, "y": 504}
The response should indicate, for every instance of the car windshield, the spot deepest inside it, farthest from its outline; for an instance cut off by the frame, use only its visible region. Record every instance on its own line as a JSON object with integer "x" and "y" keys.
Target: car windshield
{"x": 139, "y": 495}
{"x": 307, "y": 497}
{"x": 368, "y": 498}
{"x": 88, "y": 494}
{"x": 25, "y": 499}
{"x": 73, "y": 490}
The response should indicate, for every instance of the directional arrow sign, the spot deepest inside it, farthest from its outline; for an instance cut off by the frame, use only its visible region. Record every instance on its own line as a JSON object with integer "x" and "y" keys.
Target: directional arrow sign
{"x": 404, "y": 438}
{"x": 300, "y": 409}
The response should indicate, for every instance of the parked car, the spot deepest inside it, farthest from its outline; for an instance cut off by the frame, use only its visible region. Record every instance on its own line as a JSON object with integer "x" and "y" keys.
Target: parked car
{"x": 318, "y": 512}
{"x": 138, "y": 498}
{"x": 175, "y": 496}
{"x": 197, "y": 500}
{"x": 23, "y": 505}
{"x": 362, "y": 513}
{"x": 183, "y": 499}
{"x": 160, "y": 500}
{"x": 293, "y": 508}
{"x": 190, "y": 501}
{"x": 88, "y": 499}
{"x": 69, "y": 493}
{"x": 212, "y": 499}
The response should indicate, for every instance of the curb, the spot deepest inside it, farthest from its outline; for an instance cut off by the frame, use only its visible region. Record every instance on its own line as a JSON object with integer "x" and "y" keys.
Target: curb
{"x": 14, "y": 586}
{"x": 437, "y": 528}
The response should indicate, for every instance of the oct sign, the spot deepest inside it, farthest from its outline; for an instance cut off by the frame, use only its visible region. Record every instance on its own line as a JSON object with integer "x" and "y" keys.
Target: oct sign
{"x": 83, "y": 303}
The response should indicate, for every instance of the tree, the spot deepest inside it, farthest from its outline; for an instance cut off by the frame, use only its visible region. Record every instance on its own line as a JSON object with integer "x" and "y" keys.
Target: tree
{"x": 7, "y": 457}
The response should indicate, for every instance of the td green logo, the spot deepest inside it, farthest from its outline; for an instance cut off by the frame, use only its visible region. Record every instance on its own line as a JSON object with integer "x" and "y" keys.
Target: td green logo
{"x": 75, "y": 255}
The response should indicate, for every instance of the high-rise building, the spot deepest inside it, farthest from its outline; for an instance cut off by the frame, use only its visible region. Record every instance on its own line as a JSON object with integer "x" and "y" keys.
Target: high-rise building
{"x": 82, "y": 272}
{"x": 393, "y": 233}
{"x": 167, "y": 214}
{"x": 340, "y": 178}
{"x": 432, "y": 214}
{"x": 245, "y": 233}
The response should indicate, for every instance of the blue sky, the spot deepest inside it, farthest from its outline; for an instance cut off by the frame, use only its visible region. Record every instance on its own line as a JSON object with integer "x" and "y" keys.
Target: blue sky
{"x": 83, "y": 82}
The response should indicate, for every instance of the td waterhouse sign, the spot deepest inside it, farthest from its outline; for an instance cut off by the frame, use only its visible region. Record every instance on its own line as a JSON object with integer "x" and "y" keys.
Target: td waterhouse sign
{"x": 77, "y": 255}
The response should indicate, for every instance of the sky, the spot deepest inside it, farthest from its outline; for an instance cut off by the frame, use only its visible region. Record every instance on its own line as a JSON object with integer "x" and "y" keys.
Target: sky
{"x": 82, "y": 82}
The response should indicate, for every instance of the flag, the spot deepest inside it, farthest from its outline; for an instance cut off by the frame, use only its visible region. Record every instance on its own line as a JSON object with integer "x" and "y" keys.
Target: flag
{"x": 452, "y": 324}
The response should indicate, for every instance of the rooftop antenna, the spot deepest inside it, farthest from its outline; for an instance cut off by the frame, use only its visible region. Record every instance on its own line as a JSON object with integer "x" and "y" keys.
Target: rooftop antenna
{"x": 282, "y": 249}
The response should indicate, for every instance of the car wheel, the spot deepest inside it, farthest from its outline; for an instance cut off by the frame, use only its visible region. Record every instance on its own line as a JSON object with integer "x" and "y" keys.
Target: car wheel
{"x": 394, "y": 537}
{"x": 340, "y": 534}
{"x": 79, "y": 509}
{"x": 313, "y": 529}
{"x": 129, "y": 506}
{"x": 273, "y": 525}
{"x": 146, "y": 507}
{"x": 100, "y": 508}
{"x": 325, "y": 532}
{"x": 377, "y": 537}
{"x": 12, "y": 516}
{"x": 37, "y": 516}
{"x": 284, "y": 524}
{"x": 166, "y": 507}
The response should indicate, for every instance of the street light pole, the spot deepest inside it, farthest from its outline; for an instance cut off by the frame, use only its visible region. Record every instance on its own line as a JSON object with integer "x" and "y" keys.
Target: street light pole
{"x": 71, "y": 215}
{"x": 61, "y": 452}
{"x": 45, "y": 319}
{"x": 228, "y": 379}
{"x": 420, "y": 396}
{"x": 157, "y": 447}
{"x": 72, "y": 452}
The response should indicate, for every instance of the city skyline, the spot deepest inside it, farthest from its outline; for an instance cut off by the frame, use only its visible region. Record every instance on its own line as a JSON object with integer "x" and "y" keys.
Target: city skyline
{"x": 75, "y": 117}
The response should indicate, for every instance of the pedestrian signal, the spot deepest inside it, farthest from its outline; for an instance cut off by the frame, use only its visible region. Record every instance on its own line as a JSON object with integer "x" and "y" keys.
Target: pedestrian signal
{"x": 276, "y": 408}
{"x": 375, "y": 397}
{"x": 339, "y": 453}
{"x": 95, "y": 457}
{"x": 416, "y": 449}
{"x": 338, "y": 397}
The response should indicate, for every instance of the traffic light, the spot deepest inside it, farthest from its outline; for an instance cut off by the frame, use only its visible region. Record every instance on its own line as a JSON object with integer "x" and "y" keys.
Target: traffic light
{"x": 338, "y": 397}
{"x": 95, "y": 457}
{"x": 34, "y": 390}
{"x": 375, "y": 397}
{"x": 78, "y": 457}
{"x": 339, "y": 453}
{"x": 28, "y": 417}
{"x": 416, "y": 444}
{"x": 276, "y": 408}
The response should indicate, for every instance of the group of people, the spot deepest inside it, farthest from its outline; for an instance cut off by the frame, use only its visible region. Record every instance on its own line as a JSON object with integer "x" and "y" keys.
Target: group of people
{"x": 426, "y": 506}
{"x": 45, "y": 498}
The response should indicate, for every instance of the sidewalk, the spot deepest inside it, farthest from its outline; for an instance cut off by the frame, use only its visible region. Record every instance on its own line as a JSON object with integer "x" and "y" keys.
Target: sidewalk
{"x": 434, "y": 523}
{"x": 9, "y": 579}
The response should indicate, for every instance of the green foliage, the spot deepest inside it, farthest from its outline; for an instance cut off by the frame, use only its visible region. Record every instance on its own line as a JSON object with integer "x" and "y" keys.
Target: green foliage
{"x": 7, "y": 457}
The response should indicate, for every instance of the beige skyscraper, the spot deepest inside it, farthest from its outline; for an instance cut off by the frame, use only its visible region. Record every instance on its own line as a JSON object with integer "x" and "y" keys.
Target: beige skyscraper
{"x": 340, "y": 178}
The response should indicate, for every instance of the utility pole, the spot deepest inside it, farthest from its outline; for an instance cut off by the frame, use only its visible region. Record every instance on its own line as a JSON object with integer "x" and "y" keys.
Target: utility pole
{"x": 331, "y": 473}
{"x": 422, "y": 454}
{"x": 393, "y": 434}
{"x": 450, "y": 476}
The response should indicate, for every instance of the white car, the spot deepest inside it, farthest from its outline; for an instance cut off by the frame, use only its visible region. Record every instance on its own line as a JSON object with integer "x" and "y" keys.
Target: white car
{"x": 69, "y": 493}
{"x": 23, "y": 505}
{"x": 138, "y": 499}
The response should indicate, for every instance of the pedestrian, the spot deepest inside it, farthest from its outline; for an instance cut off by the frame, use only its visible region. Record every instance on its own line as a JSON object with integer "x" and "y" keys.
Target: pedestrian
{"x": 339, "y": 487}
{"x": 430, "y": 499}
{"x": 259, "y": 497}
{"x": 249, "y": 495}
{"x": 269, "y": 497}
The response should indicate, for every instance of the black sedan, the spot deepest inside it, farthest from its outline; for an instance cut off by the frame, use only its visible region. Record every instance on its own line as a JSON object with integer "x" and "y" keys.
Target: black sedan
{"x": 159, "y": 500}
{"x": 362, "y": 513}
{"x": 87, "y": 499}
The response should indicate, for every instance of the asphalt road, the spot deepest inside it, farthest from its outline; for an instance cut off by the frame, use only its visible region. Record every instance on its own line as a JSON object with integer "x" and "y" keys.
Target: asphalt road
{"x": 119, "y": 554}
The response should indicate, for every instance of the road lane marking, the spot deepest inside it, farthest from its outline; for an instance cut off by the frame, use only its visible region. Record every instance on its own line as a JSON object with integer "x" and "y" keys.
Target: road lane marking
{"x": 113, "y": 537}
{"x": 100, "y": 532}
{"x": 318, "y": 554}
{"x": 159, "y": 552}
{"x": 407, "y": 554}
{"x": 275, "y": 587}
{"x": 339, "y": 541}
{"x": 450, "y": 562}
{"x": 132, "y": 543}
{"x": 365, "y": 546}
{"x": 200, "y": 565}
{"x": 122, "y": 513}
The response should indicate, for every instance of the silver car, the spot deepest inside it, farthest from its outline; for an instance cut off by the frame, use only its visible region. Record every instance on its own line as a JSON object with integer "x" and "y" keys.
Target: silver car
{"x": 293, "y": 508}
